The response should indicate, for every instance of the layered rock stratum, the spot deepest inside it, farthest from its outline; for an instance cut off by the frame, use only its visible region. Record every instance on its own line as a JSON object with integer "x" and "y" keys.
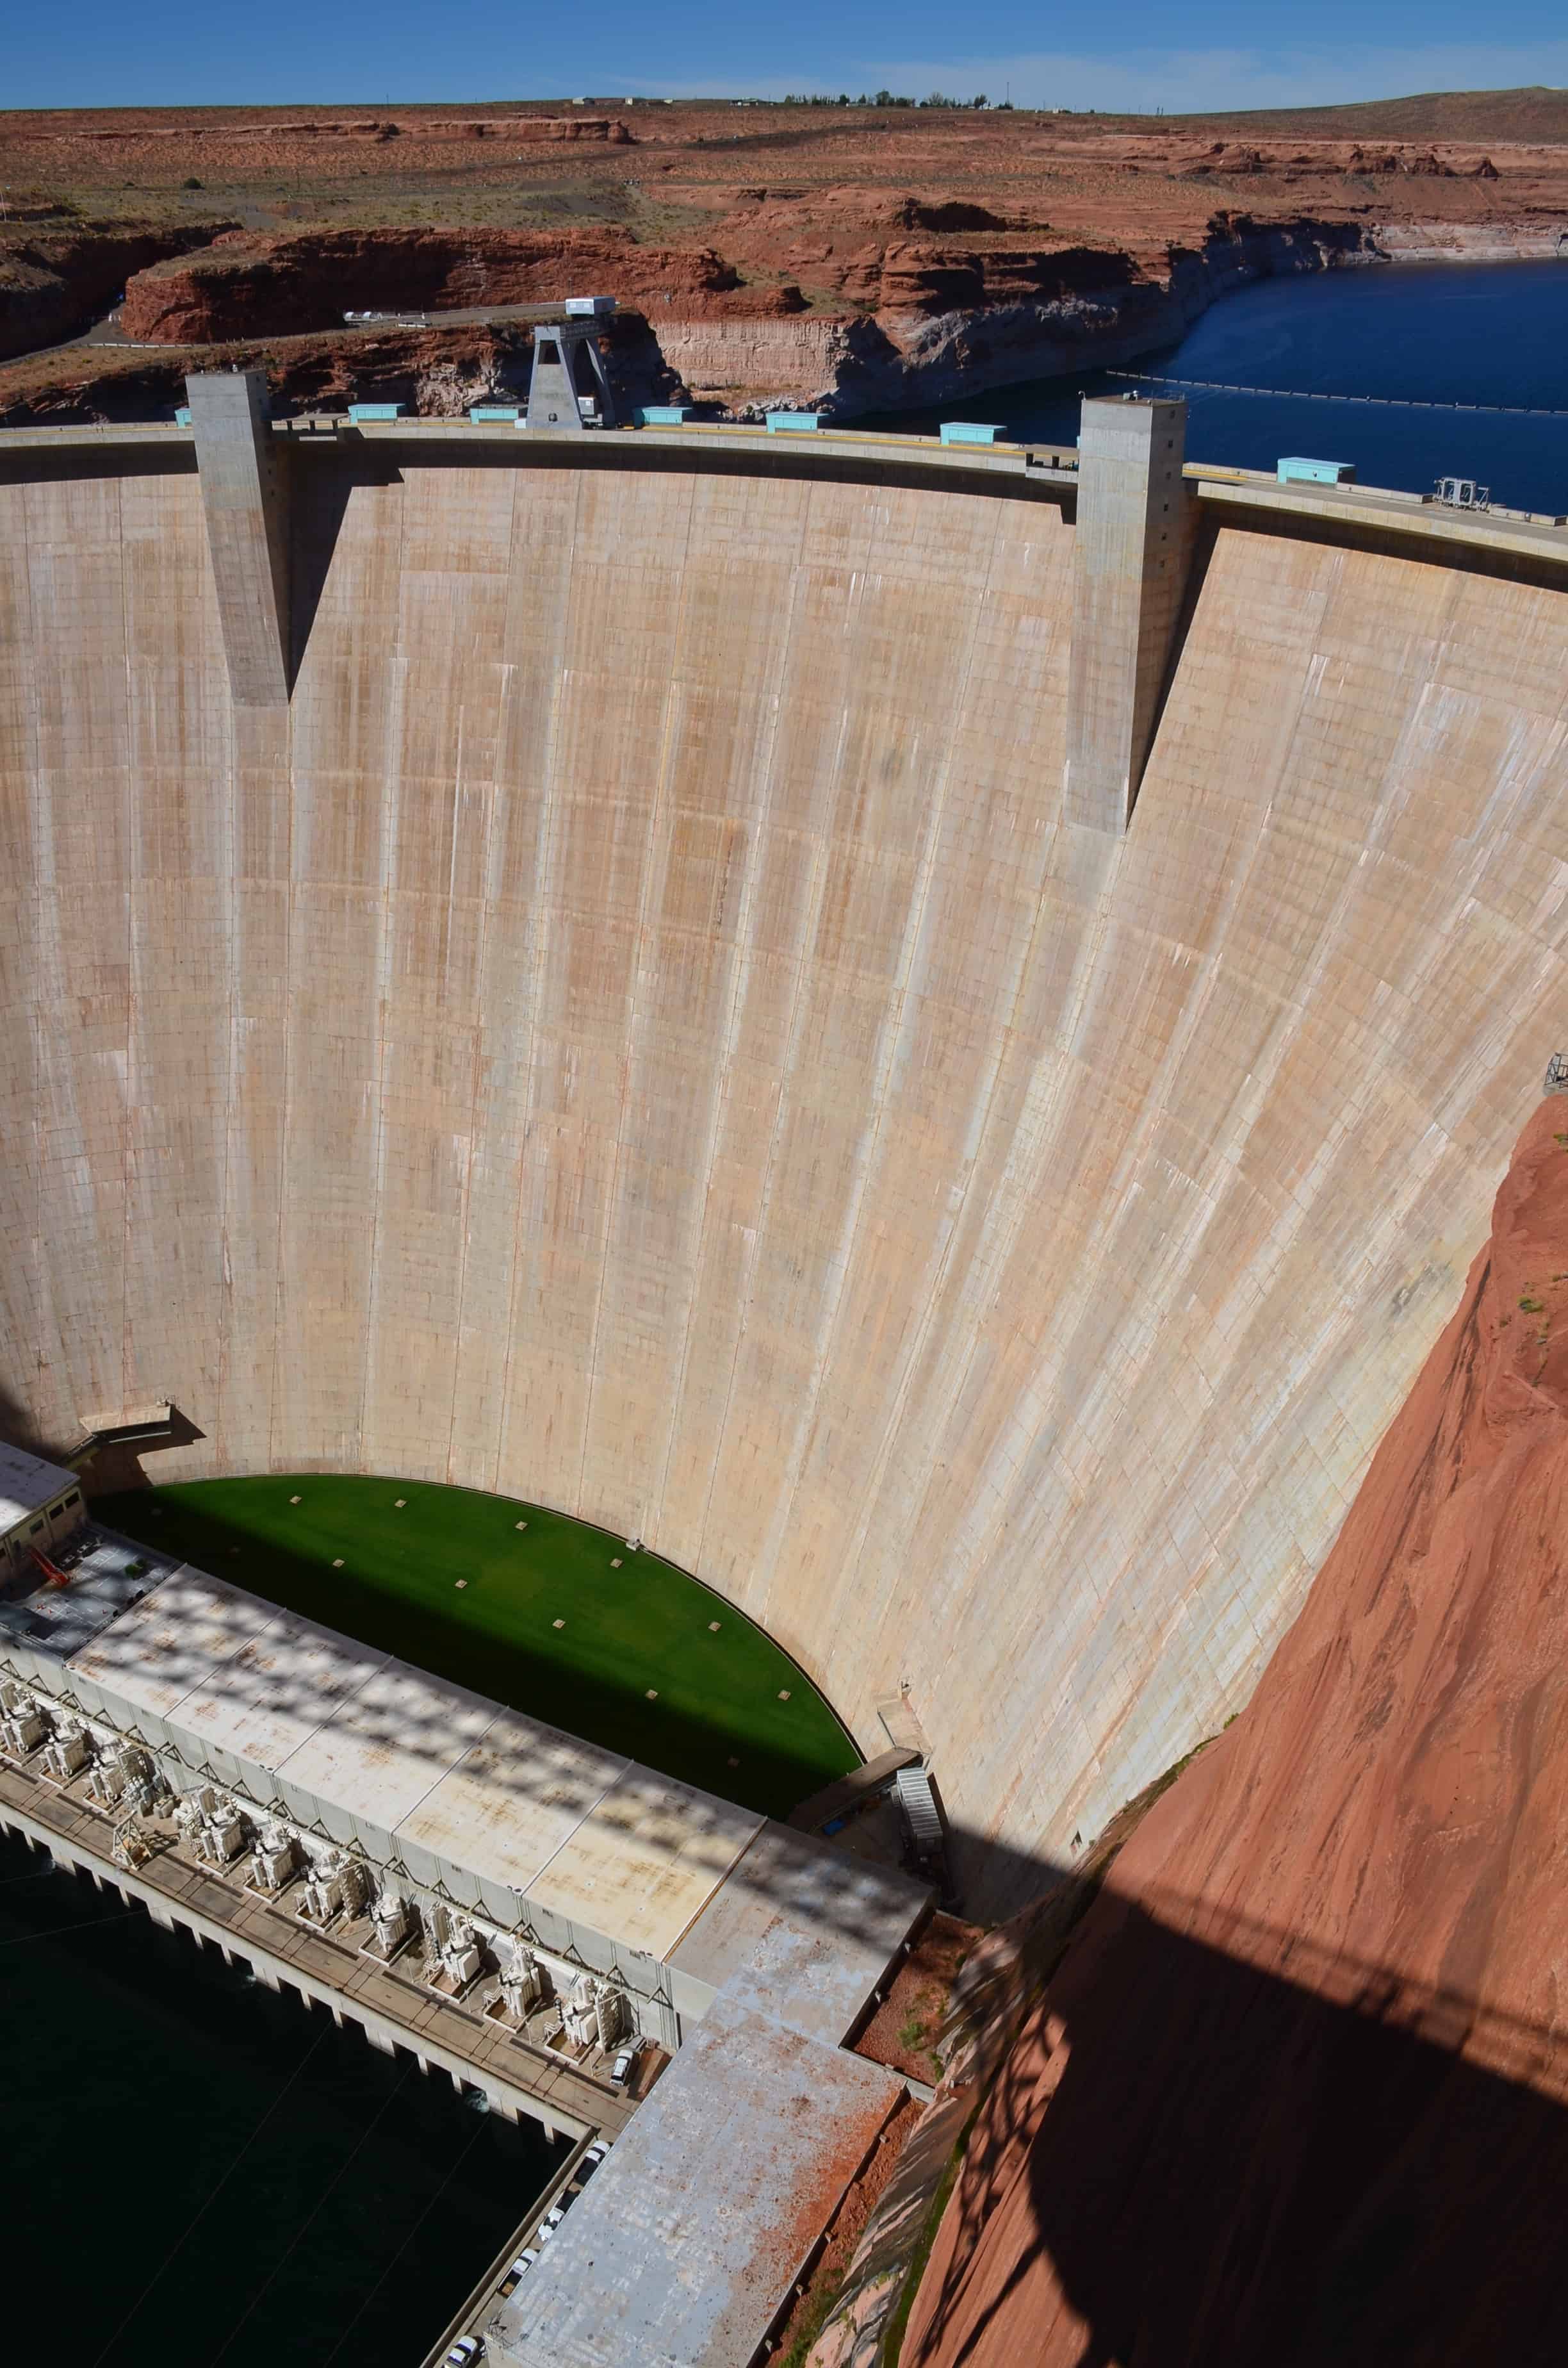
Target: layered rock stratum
{"x": 1297, "y": 2092}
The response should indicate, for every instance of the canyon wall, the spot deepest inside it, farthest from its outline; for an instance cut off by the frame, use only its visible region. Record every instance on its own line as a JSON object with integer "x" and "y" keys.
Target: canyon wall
{"x": 55, "y": 281}
{"x": 637, "y": 1032}
{"x": 255, "y": 284}
{"x": 913, "y": 321}
{"x": 905, "y": 322}
{"x": 1298, "y": 2092}
{"x": 950, "y": 323}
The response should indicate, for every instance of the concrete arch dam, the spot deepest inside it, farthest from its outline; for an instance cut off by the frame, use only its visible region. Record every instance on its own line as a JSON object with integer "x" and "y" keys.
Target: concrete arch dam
{"x": 578, "y": 974}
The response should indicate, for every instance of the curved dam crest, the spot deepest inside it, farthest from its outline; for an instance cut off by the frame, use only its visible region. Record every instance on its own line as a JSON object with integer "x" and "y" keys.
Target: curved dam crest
{"x": 636, "y": 1031}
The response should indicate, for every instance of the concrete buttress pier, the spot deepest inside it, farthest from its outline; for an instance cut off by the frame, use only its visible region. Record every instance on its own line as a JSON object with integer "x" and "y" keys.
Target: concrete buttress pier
{"x": 243, "y": 494}
{"x": 1129, "y": 565}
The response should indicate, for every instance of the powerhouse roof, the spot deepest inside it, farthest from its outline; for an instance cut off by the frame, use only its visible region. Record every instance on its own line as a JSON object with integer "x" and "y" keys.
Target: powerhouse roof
{"x": 286, "y": 1707}
{"x": 528, "y": 1824}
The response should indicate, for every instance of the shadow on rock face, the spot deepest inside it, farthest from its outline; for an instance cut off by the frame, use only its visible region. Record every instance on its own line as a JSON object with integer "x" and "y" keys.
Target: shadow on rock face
{"x": 1192, "y": 2160}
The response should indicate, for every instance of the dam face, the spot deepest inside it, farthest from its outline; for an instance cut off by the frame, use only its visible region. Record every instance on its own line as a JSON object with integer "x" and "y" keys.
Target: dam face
{"x": 635, "y": 1029}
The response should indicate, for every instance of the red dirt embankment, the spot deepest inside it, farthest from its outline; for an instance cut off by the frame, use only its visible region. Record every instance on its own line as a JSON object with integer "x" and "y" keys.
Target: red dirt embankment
{"x": 1297, "y": 2092}
{"x": 906, "y": 2030}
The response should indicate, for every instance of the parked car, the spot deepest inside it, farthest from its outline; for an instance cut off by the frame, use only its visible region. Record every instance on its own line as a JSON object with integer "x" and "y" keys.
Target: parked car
{"x": 466, "y": 2347}
{"x": 591, "y": 2161}
{"x": 519, "y": 2268}
{"x": 620, "y": 2070}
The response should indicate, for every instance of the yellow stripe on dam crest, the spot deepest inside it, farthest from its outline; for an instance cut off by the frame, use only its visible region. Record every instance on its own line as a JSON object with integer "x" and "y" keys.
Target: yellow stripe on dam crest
{"x": 618, "y": 1011}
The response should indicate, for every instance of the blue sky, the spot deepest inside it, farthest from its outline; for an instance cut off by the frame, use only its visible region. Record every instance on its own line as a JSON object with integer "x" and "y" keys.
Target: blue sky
{"x": 1215, "y": 53}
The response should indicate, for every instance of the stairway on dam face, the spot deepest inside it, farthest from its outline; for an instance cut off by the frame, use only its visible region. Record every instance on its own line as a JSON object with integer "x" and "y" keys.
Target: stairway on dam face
{"x": 638, "y": 1029}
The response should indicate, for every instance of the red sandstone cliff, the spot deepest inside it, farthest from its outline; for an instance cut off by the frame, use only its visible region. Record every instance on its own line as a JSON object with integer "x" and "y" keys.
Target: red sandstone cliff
{"x": 1297, "y": 2092}
{"x": 54, "y": 281}
{"x": 261, "y": 284}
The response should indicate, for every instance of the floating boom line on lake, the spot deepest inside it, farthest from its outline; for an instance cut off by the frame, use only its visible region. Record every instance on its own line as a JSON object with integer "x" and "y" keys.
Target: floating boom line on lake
{"x": 1383, "y": 402}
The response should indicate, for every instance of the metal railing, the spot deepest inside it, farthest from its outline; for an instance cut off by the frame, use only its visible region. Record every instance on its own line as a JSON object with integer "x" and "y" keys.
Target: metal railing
{"x": 480, "y": 2293}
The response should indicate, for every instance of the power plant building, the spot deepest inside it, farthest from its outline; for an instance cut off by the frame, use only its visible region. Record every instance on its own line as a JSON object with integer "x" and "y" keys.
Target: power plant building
{"x": 592, "y": 1863}
{"x": 40, "y": 1506}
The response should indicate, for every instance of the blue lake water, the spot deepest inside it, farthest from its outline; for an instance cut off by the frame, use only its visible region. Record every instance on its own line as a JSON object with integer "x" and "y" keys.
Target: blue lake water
{"x": 201, "y": 2173}
{"x": 1494, "y": 334}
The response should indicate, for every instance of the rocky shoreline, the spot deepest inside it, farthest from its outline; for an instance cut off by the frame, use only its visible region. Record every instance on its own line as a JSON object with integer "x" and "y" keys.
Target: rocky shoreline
{"x": 903, "y": 361}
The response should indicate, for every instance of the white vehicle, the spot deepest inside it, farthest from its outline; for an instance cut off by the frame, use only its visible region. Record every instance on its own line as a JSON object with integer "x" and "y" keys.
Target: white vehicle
{"x": 591, "y": 2161}
{"x": 519, "y": 2268}
{"x": 620, "y": 2070}
{"x": 552, "y": 2219}
{"x": 466, "y": 2347}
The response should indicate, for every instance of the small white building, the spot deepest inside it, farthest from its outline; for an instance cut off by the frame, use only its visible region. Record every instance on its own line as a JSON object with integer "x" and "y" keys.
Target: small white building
{"x": 40, "y": 1506}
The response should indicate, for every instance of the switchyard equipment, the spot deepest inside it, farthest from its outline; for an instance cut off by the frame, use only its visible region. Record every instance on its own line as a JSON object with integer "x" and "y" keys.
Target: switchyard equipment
{"x": 1463, "y": 494}
{"x": 319, "y": 1784}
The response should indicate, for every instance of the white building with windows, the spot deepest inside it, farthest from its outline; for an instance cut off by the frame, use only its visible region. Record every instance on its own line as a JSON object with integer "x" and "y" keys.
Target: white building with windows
{"x": 40, "y": 1506}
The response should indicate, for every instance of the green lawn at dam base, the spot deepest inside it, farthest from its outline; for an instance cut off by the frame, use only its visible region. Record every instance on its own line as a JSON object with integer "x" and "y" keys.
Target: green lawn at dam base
{"x": 544, "y": 1613}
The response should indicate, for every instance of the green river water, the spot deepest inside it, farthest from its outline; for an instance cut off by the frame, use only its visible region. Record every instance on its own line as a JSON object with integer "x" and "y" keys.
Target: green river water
{"x": 198, "y": 2172}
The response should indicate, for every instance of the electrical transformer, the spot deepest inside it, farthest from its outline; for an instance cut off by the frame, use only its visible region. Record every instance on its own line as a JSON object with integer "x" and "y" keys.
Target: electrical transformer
{"x": 579, "y": 2015}
{"x": 69, "y": 1751}
{"x": 274, "y": 1858}
{"x": 609, "y": 2009}
{"x": 337, "y": 1886}
{"x": 23, "y": 1725}
{"x": 393, "y": 1919}
{"x": 460, "y": 1957}
{"x": 124, "y": 1774}
{"x": 523, "y": 1983}
{"x": 224, "y": 1834}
